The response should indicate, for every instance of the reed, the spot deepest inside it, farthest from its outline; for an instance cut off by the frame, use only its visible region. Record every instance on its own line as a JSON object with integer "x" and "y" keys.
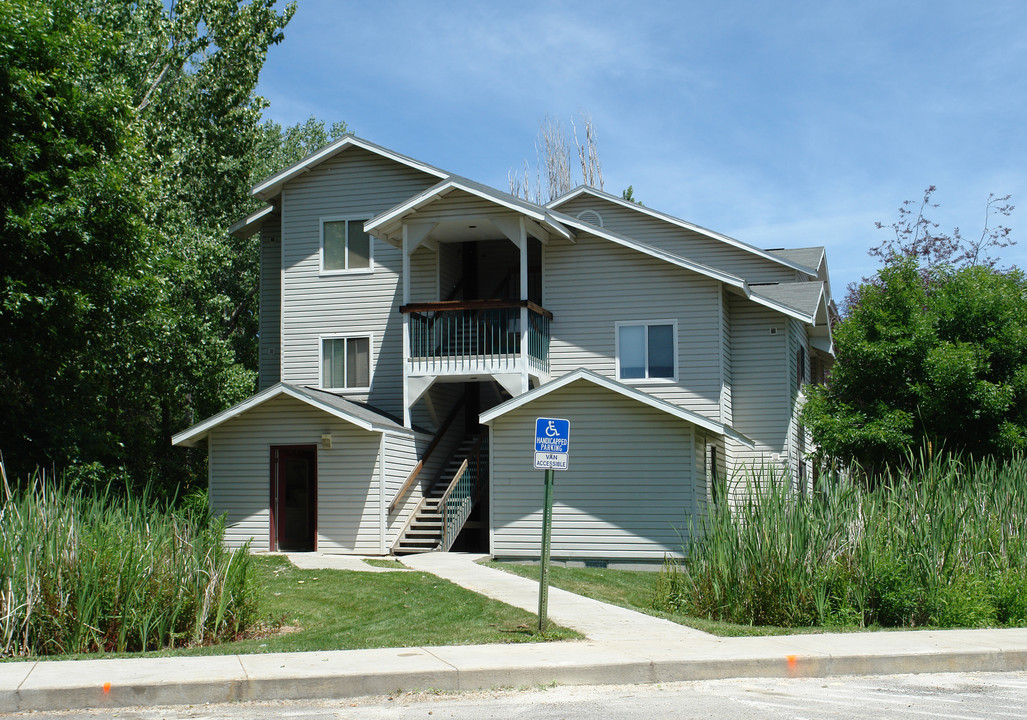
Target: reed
{"x": 87, "y": 572}
{"x": 941, "y": 543}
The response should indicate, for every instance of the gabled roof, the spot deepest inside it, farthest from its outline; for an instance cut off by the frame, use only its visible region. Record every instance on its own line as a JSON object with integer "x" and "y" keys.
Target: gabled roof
{"x": 581, "y": 374}
{"x": 586, "y": 190}
{"x": 363, "y": 416}
{"x": 455, "y": 182}
{"x": 806, "y": 298}
{"x": 273, "y": 185}
{"x": 251, "y": 223}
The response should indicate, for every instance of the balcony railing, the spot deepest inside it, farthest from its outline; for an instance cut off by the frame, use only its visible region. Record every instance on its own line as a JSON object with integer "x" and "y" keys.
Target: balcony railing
{"x": 476, "y": 336}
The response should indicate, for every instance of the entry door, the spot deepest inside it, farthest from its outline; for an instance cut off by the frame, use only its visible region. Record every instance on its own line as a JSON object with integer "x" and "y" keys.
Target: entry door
{"x": 294, "y": 497}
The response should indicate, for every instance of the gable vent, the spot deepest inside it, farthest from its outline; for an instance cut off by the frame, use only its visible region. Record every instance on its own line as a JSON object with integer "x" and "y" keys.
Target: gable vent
{"x": 591, "y": 217}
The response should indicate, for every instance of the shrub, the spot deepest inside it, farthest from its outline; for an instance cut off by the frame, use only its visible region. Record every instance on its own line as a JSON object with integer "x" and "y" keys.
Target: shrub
{"x": 942, "y": 542}
{"x": 85, "y": 572}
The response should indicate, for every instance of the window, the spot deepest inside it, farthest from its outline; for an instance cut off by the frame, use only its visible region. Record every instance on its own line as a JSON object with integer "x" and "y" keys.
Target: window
{"x": 345, "y": 246}
{"x": 346, "y": 363}
{"x": 647, "y": 351}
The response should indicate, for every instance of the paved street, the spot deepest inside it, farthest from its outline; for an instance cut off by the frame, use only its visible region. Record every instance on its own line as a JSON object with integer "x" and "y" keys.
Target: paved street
{"x": 955, "y": 696}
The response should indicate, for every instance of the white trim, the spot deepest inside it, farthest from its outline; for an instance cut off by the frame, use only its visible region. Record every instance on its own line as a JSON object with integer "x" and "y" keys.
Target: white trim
{"x": 646, "y": 324}
{"x": 492, "y": 501}
{"x": 359, "y": 390}
{"x": 381, "y": 495}
{"x": 190, "y": 436}
{"x": 488, "y": 416}
{"x": 269, "y": 188}
{"x": 346, "y": 219}
{"x": 441, "y": 189}
{"x": 680, "y": 223}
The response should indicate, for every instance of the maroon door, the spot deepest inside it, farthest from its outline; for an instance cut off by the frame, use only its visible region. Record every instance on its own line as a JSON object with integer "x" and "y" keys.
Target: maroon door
{"x": 294, "y": 498}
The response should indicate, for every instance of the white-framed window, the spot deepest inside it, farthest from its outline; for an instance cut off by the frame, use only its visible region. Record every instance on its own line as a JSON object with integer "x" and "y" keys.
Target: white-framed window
{"x": 345, "y": 247}
{"x": 647, "y": 350}
{"x": 346, "y": 362}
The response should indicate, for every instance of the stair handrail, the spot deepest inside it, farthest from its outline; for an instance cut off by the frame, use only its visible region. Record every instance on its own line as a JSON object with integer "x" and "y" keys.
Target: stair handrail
{"x": 412, "y": 477}
{"x": 475, "y": 451}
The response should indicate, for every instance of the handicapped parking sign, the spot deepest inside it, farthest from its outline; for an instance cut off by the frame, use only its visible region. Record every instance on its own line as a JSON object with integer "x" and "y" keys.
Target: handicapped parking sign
{"x": 552, "y": 443}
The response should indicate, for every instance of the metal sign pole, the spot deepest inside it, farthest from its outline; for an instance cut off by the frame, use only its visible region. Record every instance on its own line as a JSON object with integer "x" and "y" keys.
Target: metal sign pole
{"x": 547, "y": 526}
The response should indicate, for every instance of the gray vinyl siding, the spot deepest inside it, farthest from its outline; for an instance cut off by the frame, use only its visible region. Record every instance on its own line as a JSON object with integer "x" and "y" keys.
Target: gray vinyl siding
{"x": 629, "y": 490}
{"x": 356, "y": 183}
{"x": 270, "y": 311}
{"x": 401, "y": 455}
{"x": 348, "y": 498}
{"x": 761, "y": 390}
{"x": 679, "y": 240}
{"x": 592, "y": 284}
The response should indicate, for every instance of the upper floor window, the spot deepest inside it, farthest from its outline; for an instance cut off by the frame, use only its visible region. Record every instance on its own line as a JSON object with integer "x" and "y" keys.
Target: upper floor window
{"x": 346, "y": 363}
{"x": 647, "y": 351}
{"x": 345, "y": 246}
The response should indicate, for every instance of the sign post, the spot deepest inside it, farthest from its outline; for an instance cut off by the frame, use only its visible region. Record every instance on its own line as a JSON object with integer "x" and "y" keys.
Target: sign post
{"x": 552, "y": 445}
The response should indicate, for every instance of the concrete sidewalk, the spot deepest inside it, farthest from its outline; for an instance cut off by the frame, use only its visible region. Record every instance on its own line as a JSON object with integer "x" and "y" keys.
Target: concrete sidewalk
{"x": 623, "y": 647}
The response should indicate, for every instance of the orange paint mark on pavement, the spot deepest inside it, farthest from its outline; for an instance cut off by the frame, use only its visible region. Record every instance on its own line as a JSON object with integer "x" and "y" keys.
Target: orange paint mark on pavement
{"x": 106, "y": 688}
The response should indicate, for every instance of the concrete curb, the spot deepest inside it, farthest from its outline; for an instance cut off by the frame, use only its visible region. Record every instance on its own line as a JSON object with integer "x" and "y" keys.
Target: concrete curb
{"x": 63, "y": 685}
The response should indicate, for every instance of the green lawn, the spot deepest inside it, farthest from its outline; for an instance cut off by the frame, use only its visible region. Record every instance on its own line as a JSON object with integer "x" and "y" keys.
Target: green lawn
{"x": 347, "y": 610}
{"x": 633, "y": 589}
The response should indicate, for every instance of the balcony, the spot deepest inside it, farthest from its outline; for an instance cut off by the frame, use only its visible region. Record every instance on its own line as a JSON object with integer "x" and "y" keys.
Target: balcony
{"x": 477, "y": 337}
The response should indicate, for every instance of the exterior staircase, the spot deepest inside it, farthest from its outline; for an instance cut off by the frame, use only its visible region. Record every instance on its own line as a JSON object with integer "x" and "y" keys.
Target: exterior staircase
{"x": 425, "y": 531}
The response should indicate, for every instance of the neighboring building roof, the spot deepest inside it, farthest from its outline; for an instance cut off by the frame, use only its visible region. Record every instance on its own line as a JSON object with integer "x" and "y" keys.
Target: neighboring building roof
{"x": 585, "y": 190}
{"x": 363, "y": 416}
{"x": 273, "y": 185}
{"x": 619, "y": 388}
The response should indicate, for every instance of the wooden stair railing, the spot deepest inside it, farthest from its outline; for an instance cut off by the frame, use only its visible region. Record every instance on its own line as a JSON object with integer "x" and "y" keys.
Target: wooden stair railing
{"x": 412, "y": 477}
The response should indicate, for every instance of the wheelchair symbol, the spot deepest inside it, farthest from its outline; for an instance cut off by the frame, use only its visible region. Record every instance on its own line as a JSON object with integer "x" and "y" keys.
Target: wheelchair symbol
{"x": 551, "y": 430}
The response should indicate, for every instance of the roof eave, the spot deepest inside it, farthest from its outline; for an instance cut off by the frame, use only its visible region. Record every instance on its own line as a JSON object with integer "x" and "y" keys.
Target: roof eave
{"x": 191, "y": 437}
{"x": 582, "y": 374}
{"x": 270, "y": 187}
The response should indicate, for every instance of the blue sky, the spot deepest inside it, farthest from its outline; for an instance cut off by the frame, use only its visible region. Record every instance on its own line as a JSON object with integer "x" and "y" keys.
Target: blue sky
{"x": 782, "y": 124}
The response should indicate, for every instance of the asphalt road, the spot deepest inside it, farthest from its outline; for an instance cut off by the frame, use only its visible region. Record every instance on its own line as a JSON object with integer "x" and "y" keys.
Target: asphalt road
{"x": 956, "y": 696}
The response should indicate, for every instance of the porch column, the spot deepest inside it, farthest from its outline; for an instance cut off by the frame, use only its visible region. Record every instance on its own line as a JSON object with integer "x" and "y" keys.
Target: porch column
{"x": 523, "y": 247}
{"x": 406, "y": 327}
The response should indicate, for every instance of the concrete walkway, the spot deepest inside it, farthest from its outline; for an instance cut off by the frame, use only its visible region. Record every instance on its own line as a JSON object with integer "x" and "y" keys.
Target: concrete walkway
{"x": 623, "y": 647}
{"x": 599, "y": 621}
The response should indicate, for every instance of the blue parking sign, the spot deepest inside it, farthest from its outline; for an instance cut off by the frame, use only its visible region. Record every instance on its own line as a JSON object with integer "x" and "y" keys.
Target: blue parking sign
{"x": 552, "y": 435}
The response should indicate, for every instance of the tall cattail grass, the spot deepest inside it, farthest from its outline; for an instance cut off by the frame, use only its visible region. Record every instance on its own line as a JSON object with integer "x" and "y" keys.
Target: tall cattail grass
{"x": 84, "y": 572}
{"x": 942, "y": 543}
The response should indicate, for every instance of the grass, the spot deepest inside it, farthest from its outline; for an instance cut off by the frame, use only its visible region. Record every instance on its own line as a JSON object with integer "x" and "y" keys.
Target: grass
{"x": 308, "y": 610}
{"x": 633, "y": 589}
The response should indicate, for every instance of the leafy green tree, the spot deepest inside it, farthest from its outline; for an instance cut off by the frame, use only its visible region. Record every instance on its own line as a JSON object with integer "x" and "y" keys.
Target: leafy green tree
{"x": 927, "y": 355}
{"x": 71, "y": 230}
{"x": 128, "y": 138}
